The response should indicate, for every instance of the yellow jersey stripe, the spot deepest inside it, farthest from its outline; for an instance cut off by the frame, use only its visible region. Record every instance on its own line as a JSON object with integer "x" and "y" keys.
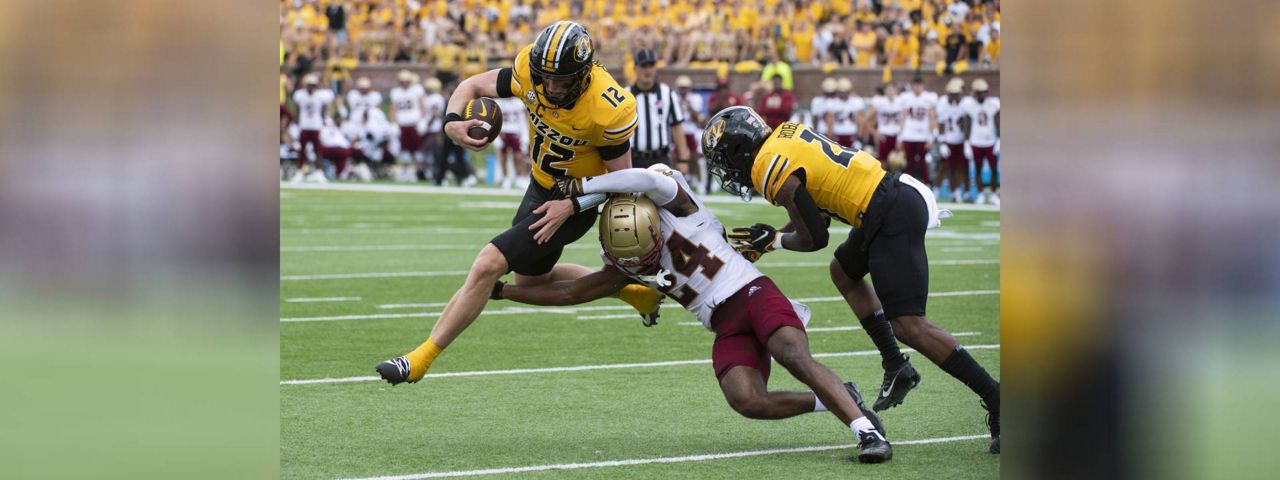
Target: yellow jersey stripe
{"x": 625, "y": 128}
{"x": 554, "y": 45}
{"x": 778, "y": 179}
{"x": 768, "y": 175}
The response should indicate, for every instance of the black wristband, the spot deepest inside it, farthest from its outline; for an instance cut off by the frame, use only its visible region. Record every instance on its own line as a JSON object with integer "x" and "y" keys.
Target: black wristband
{"x": 576, "y": 207}
{"x": 450, "y": 117}
{"x": 496, "y": 294}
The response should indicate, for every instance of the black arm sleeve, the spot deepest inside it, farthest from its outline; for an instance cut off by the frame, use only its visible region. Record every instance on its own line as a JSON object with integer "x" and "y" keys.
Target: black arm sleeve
{"x": 812, "y": 218}
{"x": 504, "y": 83}
{"x": 610, "y": 152}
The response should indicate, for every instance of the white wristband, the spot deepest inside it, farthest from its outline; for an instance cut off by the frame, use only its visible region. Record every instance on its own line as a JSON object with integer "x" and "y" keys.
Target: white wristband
{"x": 777, "y": 242}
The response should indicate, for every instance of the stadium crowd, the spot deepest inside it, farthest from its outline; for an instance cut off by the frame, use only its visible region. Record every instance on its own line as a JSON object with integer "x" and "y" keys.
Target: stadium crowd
{"x": 461, "y": 37}
{"x": 336, "y": 127}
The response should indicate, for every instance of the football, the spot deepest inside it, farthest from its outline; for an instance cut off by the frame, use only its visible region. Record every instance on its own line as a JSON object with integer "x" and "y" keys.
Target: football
{"x": 486, "y": 110}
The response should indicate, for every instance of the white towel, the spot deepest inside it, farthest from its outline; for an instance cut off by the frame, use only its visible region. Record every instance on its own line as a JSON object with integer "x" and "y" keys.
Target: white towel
{"x": 802, "y": 311}
{"x": 935, "y": 215}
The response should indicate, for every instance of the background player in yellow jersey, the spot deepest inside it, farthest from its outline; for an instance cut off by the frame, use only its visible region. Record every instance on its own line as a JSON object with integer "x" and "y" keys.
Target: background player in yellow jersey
{"x": 815, "y": 178}
{"x": 581, "y": 124}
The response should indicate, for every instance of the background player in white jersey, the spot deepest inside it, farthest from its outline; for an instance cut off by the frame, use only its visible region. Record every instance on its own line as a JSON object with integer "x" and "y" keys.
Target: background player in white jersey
{"x": 314, "y": 105}
{"x": 984, "y": 133}
{"x": 362, "y": 98}
{"x": 847, "y": 110}
{"x": 408, "y": 107}
{"x": 821, "y": 107}
{"x": 918, "y": 128}
{"x": 515, "y": 141}
{"x": 432, "y": 124}
{"x": 888, "y": 111}
{"x": 955, "y": 167}
{"x": 695, "y": 113}
{"x": 689, "y": 260}
{"x": 370, "y": 135}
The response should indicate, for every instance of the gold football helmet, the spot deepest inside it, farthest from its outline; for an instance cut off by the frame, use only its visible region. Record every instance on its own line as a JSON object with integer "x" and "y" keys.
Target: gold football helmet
{"x": 631, "y": 234}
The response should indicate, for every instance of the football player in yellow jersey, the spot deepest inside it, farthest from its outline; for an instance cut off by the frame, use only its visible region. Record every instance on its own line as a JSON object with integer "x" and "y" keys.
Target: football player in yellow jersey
{"x": 581, "y": 124}
{"x": 815, "y": 179}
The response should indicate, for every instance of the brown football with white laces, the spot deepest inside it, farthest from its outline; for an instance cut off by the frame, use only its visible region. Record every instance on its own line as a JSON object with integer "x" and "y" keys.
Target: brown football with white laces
{"x": 486, "y": 110}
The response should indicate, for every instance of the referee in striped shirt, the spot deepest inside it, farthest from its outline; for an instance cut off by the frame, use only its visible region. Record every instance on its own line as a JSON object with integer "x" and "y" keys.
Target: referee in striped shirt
{"x": 659, "y": 117}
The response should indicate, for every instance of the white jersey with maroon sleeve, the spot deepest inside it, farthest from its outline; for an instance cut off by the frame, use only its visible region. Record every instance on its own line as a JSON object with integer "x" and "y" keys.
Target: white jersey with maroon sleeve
{"x": 888, "y": 114}
{"x": 915, "y": 125}
{"x": 311, "y": 107}
{"x": 407, "y": 103}
{"x": 699, "y": 268}
{"x": 696, "y": 104}
{"x": 949, "y": 115}
{"x": 819, "y": 107}
{"x": 982, "y": 120}
{"x": 515, "y": 119}
{"x": 435, "y": 113}
{"x": 358, "y": 102}
{"x": 845, "y": 111}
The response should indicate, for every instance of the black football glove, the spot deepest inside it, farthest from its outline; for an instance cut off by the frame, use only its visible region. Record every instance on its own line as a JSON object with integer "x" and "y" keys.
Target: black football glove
{"x": 567, "y": 187}
{"x": 754, "y": 241}
{"x": 496, "y": 293}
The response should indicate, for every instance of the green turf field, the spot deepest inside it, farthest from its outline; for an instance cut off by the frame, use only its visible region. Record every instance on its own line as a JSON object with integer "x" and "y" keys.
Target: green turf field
{"x": 583, "y": 392}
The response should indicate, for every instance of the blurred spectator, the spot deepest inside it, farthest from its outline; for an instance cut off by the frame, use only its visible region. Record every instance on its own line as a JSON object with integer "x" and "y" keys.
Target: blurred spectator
{"x": 864, "y": 45}
{"x": 934, "y": 55}
{"x": 336, "y": 13}
{"x": 722, "y": 98}
{"x": 991, "y": 52}
{"x": 779, "y": 69}
{"x": 774, "y": 103}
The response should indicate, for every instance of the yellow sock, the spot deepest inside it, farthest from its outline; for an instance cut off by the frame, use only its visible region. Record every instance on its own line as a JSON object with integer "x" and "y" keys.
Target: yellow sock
{"x": 643, "y": 298}
{"x": 420, "y": 359}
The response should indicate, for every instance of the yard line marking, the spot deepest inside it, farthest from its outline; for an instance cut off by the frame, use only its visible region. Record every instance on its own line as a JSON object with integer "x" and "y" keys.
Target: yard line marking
{"x": 397, "y": 248}
{"x": 572, "y": 310}
{"x": 424, "y": 189}
{"x": 414, "y": 305}
{"x": 580, "y": 368}
{"x": 322, "y": 299}
{"x": 646, "y": 461}
{"x": 961, "y": 249}
{"x": 602, "y": 317}
{"x": 974, "y": 261}
{"x": 337, "y": 276}
{"x": 498, "y": 205}
{"x": 525, "y": 310}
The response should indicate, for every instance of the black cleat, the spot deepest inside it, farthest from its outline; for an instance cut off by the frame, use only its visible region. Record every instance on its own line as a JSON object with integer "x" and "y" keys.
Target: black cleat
{"x": 866, "y": 412}
{"x": 394, "y": 371}
{"x": 993, "y": 423}
{"x": 873, "y": 448}
{"x": 897, "y": 383}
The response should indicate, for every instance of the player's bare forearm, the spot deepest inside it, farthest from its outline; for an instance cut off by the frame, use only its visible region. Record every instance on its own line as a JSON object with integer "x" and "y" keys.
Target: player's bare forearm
{"x": 584, "y": 289}
{"x": 475, "y": 86}
{"x": 809, "y": 230}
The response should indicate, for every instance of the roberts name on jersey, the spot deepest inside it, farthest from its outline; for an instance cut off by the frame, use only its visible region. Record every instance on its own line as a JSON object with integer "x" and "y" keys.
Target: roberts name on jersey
{"x": 839, "y": 179}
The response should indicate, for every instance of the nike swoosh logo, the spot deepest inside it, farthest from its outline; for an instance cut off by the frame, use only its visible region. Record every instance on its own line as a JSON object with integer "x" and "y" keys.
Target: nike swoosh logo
{"x": 482, "y": 109}
{"x": 885, "y": 392}
{"x": 576, "y": 128}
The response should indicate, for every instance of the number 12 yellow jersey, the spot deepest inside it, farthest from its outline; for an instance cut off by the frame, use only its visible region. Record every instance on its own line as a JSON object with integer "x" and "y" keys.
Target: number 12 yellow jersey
{"x": 840, "y": 180}
{"x": 567, "y": 142}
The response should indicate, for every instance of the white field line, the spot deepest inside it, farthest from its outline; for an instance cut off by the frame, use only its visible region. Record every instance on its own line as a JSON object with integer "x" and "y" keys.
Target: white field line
{"x": 961, "y": 249}
{"x": 322, "y": 299}
{"x": 573, "y": 310}
{"x": 983, "y": 261}
{"x": 506, "y": 311}
{"x": 343, "y": 276}
{"x": 602, "y": 317}
{"x": 424, "y": 189}
{"x": 397, "y": 248}
{"x": 339, "y": 276}
{"x": 413, "y": 305}
{"x": 581, "y": 368}
{"x": 646, "y": 461}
